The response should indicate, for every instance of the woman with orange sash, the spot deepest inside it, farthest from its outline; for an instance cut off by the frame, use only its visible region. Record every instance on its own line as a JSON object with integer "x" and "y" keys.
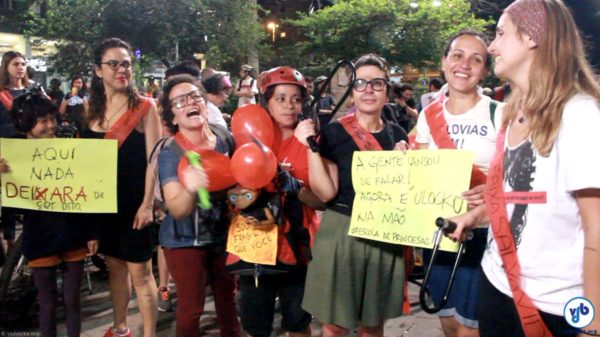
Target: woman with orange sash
{"x": 541, "y": 274}
{"x": 117, "y": 111}
{"x": 461, "y": 118}
{"x": 352, "y": 283}
{"x": 13, "y": 83}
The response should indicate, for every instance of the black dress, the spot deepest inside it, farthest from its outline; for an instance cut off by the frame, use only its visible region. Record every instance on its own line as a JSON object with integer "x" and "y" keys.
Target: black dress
{"x": 117, "y": 236}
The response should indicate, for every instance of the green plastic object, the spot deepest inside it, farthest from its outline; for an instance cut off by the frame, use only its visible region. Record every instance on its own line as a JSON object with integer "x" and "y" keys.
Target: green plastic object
{"x": 203, "y": 195}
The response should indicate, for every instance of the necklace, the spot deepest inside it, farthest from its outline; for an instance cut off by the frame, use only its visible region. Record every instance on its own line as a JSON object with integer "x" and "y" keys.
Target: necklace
{"x": 107, "y": 121}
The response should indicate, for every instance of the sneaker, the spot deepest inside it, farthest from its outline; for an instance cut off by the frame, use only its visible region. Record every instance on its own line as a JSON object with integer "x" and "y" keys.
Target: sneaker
{"x": 164, "y": 300}
{"x": 113, "y": 332}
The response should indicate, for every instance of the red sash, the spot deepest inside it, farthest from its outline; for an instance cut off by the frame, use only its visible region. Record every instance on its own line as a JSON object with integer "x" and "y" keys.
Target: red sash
{"x": 434, "y": 113}
{"x": 363, "y": 139}
{"x": 495, "y": 203}
{"x": 6, "y": 99}
{"x": 128, "y": 121}
{"x": 367, "y": 142}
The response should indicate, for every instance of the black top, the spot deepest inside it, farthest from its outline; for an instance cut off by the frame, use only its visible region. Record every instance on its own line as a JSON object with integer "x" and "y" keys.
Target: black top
{"x": 7, "y": 127}
{"x": 394, "y": 113}
{"x": 337, "y": 146}
{"x": 51, "y": 233}
{"x": 74, "y": 113}
{"x": 117, "y": 237}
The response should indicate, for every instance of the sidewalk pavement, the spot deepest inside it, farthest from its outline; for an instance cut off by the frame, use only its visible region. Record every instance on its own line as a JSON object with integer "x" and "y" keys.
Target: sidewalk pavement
{"x": 97, "y": 317}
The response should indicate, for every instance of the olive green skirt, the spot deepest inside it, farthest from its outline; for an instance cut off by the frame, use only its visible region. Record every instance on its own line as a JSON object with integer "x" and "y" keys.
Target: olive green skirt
{"x": 353, "y": 281}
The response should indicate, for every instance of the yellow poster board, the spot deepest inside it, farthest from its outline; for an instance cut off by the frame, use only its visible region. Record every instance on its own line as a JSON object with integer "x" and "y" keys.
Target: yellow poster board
{"x": 252, "y": 243}
{"x": 60, "y": 174}
{"x": 399, "y": 196}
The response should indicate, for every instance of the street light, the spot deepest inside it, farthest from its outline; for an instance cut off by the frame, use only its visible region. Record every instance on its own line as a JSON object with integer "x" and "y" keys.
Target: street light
{"x": 272, "y": 26}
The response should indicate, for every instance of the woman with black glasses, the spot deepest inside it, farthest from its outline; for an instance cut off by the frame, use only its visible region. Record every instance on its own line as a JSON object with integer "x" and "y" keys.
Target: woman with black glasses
{"x": 194, "y": 238}
{"x": 118, "y": 112}
{"x": 353, "y": 283}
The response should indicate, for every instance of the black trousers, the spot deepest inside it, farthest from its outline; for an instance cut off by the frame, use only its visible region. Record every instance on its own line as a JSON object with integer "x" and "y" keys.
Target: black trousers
{"x": 498, "y": 316}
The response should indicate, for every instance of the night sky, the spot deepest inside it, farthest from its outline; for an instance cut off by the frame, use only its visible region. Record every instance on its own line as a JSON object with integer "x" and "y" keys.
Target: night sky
{"x": 587, "y": 17}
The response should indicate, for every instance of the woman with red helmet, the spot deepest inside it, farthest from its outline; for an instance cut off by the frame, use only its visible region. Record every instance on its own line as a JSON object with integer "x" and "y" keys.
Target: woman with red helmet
{"x": 283, "y": 92}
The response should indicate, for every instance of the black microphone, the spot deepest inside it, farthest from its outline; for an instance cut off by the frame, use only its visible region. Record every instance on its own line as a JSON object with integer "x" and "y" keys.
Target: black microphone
{"x": 306, "y": 114}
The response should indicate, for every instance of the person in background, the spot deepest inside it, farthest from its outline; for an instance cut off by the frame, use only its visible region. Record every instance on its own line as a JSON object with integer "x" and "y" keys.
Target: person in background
{"x": 51, "y": 239}
{"x": 55, "y": 93}
{"x": 309, "y": 87}
{"x": 435, "y": 84}
{"x": 246, "y": 88}
{"x": 118, "y": 112}
{"x": 218, "y": 88}
{"x": 152, "y": 89}
{"x": 543, "y": 195}
{"x": 75, "y": 105}
{"x": 400, "y": 112}
{"x": 352, "y": 283}
{"x": 13, "y": 83}
{"x": 404, "y": 97}
{"x": 326, "y": 101}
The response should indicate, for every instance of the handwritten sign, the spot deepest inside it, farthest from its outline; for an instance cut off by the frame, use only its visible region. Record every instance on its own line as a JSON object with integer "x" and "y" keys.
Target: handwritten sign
{"x": 60, "y": 175}
{"x": 399, "y": 196}
{"x": 252, "y": 243}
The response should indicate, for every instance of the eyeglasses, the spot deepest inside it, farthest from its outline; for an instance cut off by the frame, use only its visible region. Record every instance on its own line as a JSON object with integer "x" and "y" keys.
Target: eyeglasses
{"x": 115, "y": 65}
{"x": 182, "y": 100}
{"x": 377, "y": 84}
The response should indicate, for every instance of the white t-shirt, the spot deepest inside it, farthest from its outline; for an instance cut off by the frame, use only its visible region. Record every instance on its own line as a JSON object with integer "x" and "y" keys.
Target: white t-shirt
{"x": 214, "y": 115}
{"x": 549, "y": 236}
{"x": 428, "y": 98}
{"x": 472, "y": 130}
{"x": 248, "y": 82}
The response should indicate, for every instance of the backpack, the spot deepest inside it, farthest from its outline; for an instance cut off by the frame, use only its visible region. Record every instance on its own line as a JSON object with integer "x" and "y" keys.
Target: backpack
{"x": 219, "y": 130}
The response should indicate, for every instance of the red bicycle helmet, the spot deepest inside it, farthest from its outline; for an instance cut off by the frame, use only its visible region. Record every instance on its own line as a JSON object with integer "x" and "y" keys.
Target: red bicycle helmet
{"x": 281, "y": 75}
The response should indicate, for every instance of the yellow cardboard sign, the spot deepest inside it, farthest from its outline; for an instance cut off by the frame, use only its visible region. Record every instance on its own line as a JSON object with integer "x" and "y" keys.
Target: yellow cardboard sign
{"x": 60, "y": 174}
{"x": 399, "y": 196}
{"x": 252, "y": 243}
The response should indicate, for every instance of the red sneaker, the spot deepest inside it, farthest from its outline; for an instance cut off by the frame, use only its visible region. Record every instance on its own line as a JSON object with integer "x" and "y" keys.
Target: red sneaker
{"x": 113, "y": 332}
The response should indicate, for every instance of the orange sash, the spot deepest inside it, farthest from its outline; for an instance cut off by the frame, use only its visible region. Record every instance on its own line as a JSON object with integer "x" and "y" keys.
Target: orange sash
{"x": 363, "y": 139}
{"x": 367, "y": 142}
{"x": 495, "y": 203}
{"x": 128, "y": 121}
{"x": 434, "y": 113}
{"x": 6, "y": 99}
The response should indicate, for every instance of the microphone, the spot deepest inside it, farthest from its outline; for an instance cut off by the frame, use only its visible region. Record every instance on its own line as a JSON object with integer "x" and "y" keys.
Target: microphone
{"x": 307, "y": 110}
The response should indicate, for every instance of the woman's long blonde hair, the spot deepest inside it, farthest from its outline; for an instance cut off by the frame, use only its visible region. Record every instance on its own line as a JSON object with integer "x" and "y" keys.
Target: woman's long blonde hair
{"x": 559, "y": 71}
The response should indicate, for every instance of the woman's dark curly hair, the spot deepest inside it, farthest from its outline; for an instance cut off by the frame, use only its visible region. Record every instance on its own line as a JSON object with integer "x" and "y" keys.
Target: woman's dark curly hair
{"x": 165, "y": 102}
{"x": 98, "y": 97}
{"x": 27, "y": 108}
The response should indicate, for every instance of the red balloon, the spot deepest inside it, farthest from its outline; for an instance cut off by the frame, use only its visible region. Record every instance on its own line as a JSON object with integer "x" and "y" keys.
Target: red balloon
{"x": 217, "y": 168}
{"x": 253, "y": 167}
{"x": 249, "y": 121}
